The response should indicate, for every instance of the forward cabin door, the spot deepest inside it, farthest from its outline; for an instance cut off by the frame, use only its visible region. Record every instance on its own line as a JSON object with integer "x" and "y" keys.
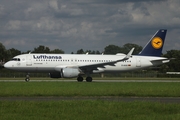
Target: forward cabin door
{"x": 29, "y": 60}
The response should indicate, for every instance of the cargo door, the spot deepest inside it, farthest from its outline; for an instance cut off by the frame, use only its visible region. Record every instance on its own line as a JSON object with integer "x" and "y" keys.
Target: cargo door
{"x": 138, "y": 62}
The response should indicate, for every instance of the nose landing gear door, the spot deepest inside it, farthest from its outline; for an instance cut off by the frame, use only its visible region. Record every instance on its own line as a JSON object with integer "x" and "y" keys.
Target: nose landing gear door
{"x": 29, "y": 60}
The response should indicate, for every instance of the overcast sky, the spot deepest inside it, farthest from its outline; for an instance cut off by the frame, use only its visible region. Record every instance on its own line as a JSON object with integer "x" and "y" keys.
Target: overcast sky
{"x": 71, "y": 25}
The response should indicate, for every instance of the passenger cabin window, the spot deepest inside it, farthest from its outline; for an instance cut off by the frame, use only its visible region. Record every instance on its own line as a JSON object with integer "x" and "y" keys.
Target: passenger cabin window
{"x": 15, "y": 59}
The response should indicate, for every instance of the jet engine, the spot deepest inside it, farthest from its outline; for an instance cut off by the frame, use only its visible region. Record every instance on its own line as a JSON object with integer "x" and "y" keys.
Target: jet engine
{"x": 65, "y": 73}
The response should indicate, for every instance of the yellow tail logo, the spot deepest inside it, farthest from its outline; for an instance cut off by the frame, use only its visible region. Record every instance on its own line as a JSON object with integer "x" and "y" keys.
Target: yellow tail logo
{"x": 157, "y": 42}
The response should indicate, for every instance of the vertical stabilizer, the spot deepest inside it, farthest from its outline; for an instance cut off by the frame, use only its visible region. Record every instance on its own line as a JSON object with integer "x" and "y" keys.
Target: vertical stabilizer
{"x": 155, "y": 45}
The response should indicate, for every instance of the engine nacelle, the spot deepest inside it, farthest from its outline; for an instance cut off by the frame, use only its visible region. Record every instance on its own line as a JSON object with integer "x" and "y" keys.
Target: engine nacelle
{"x": 69, "y": 72}
{"x": 55, "y": 75}
{"x": 65, "y": 73}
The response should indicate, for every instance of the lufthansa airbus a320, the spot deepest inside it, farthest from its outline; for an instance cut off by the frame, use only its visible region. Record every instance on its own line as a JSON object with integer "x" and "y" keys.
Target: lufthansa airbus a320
{"x": 77, "y": 65}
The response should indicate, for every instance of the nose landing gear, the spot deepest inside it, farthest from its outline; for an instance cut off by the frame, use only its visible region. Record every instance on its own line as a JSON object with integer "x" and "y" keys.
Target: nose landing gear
{"x": 27, "y": 78}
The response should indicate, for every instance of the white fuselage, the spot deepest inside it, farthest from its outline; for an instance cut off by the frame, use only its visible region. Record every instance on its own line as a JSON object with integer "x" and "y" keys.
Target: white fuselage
{"x": 54, "y": 62}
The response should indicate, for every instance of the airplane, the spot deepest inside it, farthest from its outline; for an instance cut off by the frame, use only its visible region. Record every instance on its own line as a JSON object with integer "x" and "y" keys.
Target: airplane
{"x": 76, "y": 65}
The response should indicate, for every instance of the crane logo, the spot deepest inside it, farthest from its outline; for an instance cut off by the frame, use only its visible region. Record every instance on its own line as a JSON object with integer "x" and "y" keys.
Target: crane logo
{"x": 157, "y": 42}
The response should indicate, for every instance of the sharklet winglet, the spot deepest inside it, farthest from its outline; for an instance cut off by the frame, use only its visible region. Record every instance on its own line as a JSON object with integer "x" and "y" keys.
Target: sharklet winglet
{"x": 127, "y": 56}
{"x": 130, "y": 53}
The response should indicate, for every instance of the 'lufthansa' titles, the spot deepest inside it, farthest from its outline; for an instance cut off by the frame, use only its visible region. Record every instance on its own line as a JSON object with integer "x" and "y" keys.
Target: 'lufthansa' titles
{"x": 46, "y": 57}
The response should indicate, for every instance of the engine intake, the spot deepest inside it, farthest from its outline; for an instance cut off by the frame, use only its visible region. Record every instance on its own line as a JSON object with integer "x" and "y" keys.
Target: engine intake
{"x": 55, "y": 75}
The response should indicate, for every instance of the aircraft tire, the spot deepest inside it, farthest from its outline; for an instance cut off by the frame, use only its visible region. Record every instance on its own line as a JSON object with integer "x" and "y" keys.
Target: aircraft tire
{"x": 80, "y": 79}
{"x": 27, "y": 79}
{"x": 89, "y": 79}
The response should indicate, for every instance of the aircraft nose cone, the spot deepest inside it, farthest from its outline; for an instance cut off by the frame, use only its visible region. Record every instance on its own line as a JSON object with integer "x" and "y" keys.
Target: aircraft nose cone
{"x": 7, "y": 65}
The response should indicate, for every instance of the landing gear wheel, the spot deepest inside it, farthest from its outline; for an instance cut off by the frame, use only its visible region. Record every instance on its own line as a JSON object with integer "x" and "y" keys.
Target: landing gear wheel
{"x": 89, "y": 79}
{"x": 80, "y": 79}
{"x": 27, "y": 78}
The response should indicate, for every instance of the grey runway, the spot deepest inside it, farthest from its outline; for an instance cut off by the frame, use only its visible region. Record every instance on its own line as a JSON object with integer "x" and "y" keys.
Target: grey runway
{"x": 58, "y": 80}
{"x": 105, "y": 98}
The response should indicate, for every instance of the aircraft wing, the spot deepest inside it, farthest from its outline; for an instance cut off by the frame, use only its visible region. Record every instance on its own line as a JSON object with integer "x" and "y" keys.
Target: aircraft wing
{"x": 90, "y": 68}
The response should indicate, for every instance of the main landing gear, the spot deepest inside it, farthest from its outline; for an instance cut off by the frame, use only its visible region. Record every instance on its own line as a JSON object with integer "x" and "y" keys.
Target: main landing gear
{"x": 88, "y": 79}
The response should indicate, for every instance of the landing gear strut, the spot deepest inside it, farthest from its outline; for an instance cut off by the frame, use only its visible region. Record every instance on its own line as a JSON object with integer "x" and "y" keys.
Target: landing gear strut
{"x": 27, "y": 78}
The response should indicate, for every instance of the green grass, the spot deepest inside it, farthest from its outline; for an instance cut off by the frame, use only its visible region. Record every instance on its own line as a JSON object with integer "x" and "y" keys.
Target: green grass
{"x": 89, "y": 89}
{"x": 88, "y": 110}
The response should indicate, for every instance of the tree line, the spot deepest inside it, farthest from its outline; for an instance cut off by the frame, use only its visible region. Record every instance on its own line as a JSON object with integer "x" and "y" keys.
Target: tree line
{"x": 173, "y": 65}
{"x": 7, "y": 54}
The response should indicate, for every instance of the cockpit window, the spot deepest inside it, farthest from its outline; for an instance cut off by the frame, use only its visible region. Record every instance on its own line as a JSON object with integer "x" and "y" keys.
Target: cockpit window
{"x": 15, "y": 59}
